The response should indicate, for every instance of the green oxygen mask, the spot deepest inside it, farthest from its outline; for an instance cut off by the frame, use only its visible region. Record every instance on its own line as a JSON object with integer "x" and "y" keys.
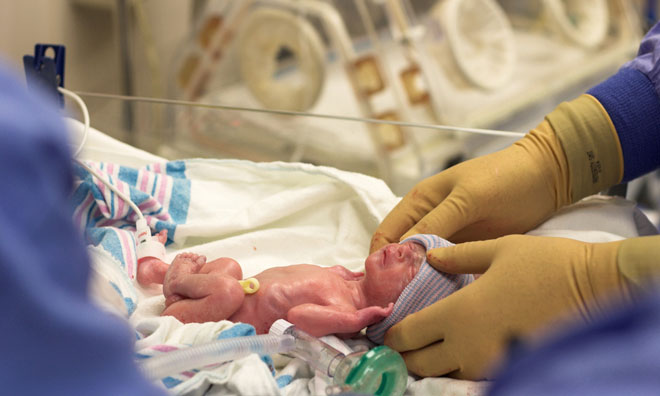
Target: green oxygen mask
{"x": 380, "y": 371}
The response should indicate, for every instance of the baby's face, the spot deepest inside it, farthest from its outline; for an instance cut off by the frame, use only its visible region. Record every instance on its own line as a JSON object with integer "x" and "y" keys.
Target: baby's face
{"x": 389, "y": 270}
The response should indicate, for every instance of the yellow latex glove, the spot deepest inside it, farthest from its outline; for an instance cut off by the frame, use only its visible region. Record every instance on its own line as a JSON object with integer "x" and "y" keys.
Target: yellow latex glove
{"x": 530, "y": 286}
{"x": 513, "y": 190}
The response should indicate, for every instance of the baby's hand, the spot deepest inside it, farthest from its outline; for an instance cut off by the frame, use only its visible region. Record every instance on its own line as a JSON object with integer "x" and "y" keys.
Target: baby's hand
{"x": 375, "y": 313}
{"x": 387, "y": 311}
{"x": 161, "y": 236}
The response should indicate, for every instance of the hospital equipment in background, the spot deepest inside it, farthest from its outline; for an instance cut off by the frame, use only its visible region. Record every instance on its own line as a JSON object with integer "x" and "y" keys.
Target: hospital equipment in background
{"x": 551, "y": 64}
{"x": 469, "y": 63}
{"x": 224, "y": 129}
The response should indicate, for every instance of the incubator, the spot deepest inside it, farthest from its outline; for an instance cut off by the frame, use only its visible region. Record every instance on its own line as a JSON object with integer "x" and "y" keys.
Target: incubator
{"x": 390, "y": 64}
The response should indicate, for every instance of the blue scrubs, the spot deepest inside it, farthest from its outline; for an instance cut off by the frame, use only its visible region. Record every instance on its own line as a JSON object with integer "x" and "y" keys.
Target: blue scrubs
{"x": 631, "y": 98}
{"x": 52, "y": 339}
{"x": 619, "y": 355}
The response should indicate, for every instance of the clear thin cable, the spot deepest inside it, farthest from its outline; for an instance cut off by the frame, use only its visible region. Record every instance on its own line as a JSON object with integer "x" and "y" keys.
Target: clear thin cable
{"x": 85, "y": 113}
{"x": 480, "y": 131}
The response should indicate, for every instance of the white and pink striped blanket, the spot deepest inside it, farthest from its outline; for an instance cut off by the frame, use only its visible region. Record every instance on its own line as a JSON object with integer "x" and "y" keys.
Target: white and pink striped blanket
{"x": 160, "y": 190}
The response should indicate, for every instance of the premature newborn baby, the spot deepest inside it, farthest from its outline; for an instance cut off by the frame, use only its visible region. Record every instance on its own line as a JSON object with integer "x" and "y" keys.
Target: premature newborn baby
{"x": 319, "y": 300}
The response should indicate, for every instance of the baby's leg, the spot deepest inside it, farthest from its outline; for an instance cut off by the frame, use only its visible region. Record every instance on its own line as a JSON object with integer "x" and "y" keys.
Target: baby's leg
{"x": 204, "y": 297}
{"x": 151, "y": 270}
{"x": 197, "y": 291}
{"x": 223, "y": 265}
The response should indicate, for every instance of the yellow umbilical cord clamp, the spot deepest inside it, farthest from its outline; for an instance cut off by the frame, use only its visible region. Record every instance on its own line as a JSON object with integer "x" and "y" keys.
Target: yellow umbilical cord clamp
{"x": 250, "y": 285}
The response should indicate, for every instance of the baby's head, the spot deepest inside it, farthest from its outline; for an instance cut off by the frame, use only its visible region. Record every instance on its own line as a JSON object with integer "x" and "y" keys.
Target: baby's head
{"x": 389, "y": 270}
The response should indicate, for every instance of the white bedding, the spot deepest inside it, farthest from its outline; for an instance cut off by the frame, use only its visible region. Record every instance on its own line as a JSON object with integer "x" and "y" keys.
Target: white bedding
{"x": 274, "y": 214}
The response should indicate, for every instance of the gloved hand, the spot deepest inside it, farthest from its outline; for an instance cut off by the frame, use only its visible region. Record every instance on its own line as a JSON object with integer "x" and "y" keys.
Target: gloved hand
{"x": 513, "y": 190}
{"x": 529, "y": 287}
{"x": 509, "y": 191}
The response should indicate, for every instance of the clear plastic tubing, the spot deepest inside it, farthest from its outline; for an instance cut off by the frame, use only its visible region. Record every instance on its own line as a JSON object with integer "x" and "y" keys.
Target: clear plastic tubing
{"x": 215, "y": 352}
{"x": 319, "y": 355}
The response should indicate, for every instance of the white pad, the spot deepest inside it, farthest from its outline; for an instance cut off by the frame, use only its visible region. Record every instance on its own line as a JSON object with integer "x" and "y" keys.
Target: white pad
{"x": 151, "y": 249}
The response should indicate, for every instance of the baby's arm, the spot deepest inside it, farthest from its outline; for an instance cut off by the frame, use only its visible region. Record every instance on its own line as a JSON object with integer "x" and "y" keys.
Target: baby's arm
{"x": 320, "y": 320}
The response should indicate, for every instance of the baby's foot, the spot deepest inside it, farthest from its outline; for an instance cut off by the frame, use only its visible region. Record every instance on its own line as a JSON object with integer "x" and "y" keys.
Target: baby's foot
{"x": 188, "y": 262}
{"x": 223, "y": 265}
{"x": 182, "y": 265}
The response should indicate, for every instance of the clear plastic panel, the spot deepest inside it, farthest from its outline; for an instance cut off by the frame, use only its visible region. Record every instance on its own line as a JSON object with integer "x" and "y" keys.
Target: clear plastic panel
{"x": 469, "y": 63}
{"x": 177, "y": 131}
{"x": 493, "y": 59}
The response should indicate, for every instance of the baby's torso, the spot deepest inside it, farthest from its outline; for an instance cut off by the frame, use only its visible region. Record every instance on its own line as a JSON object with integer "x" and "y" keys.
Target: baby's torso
{"x": 282, "y": 288}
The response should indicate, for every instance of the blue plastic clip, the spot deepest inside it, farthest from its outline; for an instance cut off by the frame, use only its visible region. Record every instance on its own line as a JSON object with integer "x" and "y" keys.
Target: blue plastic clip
{"x": 45, "y": 74}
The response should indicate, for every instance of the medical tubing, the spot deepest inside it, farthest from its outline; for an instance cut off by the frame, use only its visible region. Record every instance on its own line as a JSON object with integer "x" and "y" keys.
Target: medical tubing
{"x": 114, "y": 189}
{"x": 85, "y": 113}
{"x": 319, "y": 355}
{"x": 215, "y": 352}
{"x": 379, "y": 121}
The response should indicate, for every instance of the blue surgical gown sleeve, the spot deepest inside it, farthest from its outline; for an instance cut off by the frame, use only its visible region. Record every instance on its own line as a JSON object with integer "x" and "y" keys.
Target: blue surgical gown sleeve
{"x": 619, "y": 355}
{"x": 631, "y": 98}
{"x": 53, "y": 340}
